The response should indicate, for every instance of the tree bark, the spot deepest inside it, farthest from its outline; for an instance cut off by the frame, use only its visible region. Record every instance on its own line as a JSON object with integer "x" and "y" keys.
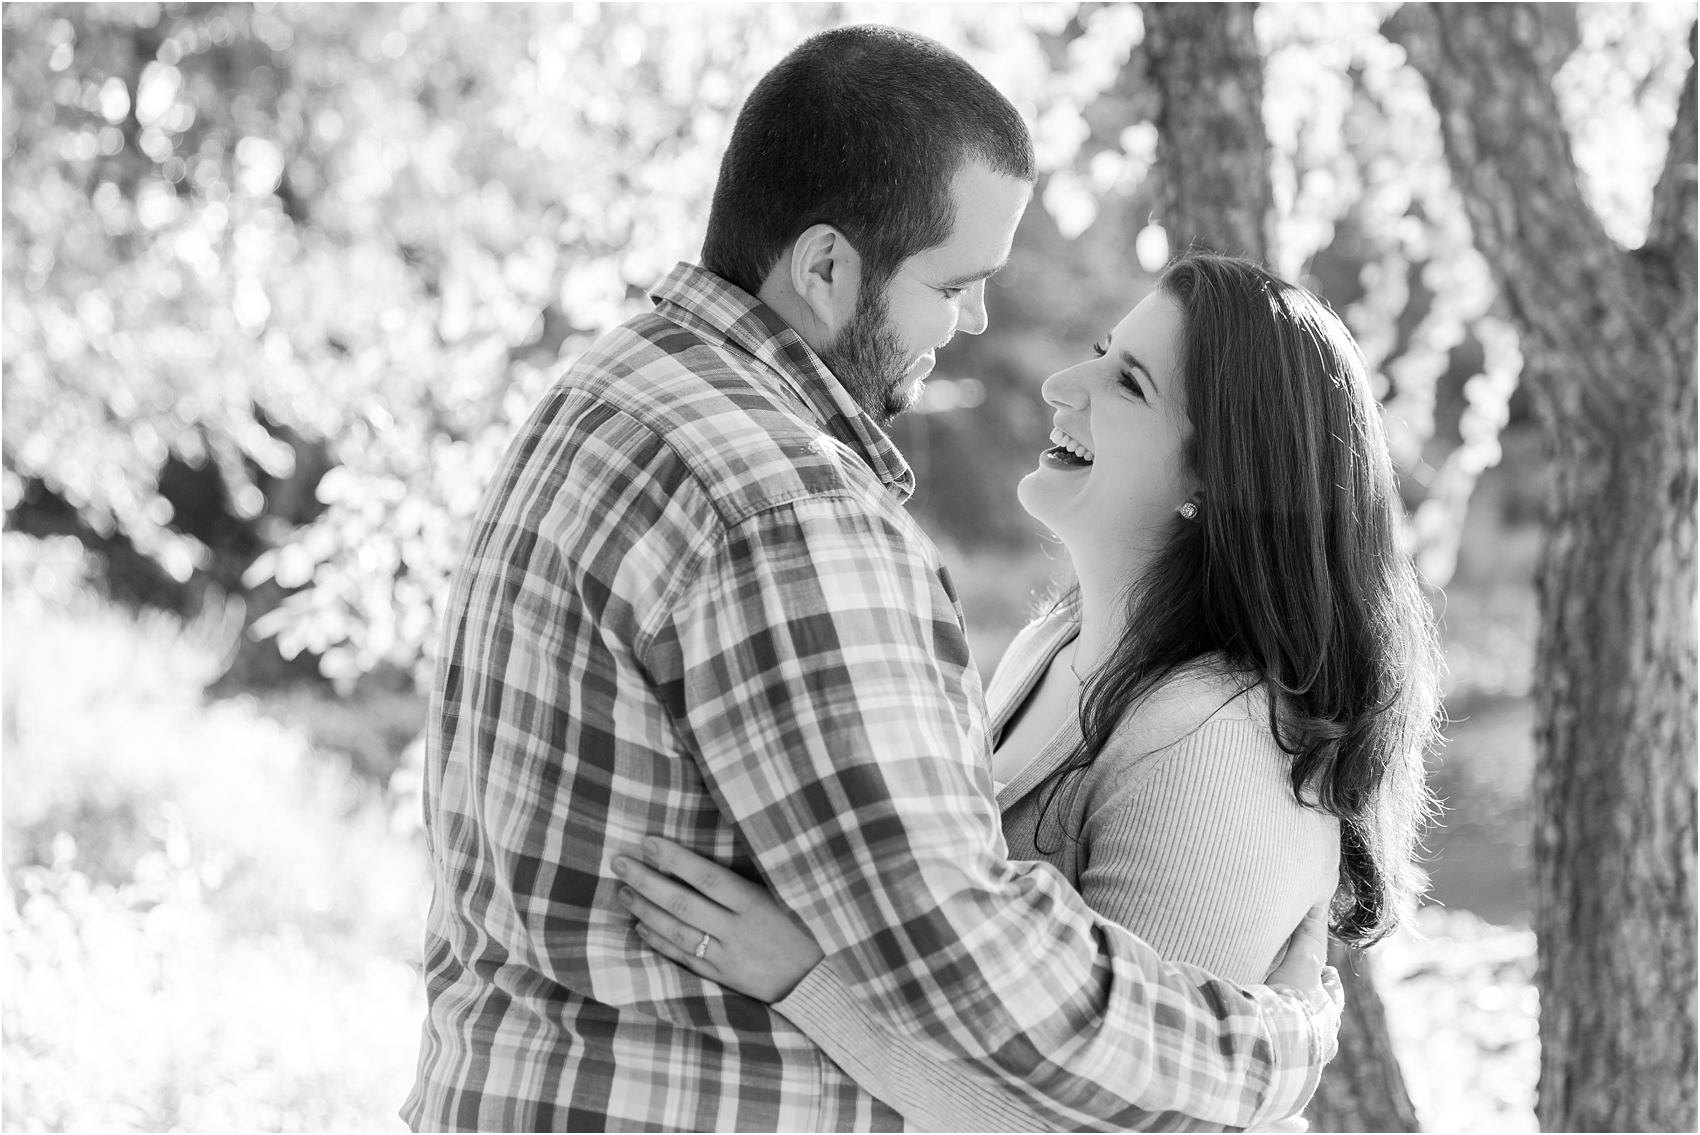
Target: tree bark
{"x": 1213, "y": 164}
{"x": 1212, "y": 152}
{"x": 1609, "y": 342}
{"x": 1363, "y": 1089}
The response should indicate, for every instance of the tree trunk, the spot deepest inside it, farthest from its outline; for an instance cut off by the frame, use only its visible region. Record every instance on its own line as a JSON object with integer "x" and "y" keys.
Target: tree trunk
{"x": 1212, "y": 152}
{"x": 1213, "y": 163}
{"x": 1609, "y": 339}
{"x": 1363, "y": 1089}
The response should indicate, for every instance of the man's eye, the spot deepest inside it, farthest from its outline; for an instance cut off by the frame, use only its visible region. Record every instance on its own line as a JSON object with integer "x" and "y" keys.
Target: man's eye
{"x": 952, "y": 293}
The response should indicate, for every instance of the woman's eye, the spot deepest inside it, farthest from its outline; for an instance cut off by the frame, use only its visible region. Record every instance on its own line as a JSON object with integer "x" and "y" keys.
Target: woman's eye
{"x": 1128, "y": 379}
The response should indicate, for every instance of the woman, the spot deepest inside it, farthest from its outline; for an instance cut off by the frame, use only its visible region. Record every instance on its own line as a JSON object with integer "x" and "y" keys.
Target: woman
{"x": 1224, "y": 720}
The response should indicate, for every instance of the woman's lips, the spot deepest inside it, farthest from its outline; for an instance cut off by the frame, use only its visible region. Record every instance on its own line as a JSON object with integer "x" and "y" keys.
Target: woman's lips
{"x": 1065, "y": 442}
{"x": 1057, "y": 457}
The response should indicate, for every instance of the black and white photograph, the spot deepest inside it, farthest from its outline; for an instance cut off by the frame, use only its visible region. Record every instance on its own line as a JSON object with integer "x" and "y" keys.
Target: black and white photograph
{"x": 962, "y": 567}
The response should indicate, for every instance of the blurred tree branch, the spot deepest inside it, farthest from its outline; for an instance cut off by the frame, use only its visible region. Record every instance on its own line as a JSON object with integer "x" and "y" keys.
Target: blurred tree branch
{"x": 1213, "y": 155}
{"x": 1610, "y": 338}
{"x": 1671, "y": 230}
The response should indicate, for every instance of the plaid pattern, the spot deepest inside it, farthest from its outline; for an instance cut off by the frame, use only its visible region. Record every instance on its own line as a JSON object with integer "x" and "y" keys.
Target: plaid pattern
{"x": 692, "y": 605}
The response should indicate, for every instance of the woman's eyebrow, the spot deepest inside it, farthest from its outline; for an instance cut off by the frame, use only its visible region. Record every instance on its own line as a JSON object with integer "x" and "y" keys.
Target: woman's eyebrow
{"x": 1131, "y": 360}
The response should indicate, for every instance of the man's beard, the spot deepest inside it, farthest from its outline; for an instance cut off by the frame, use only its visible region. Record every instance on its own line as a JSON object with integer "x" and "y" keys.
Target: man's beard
{"x": 869, "y": 360}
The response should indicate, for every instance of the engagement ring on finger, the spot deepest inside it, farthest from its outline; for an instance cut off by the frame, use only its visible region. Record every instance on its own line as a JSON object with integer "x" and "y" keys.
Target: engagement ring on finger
{"x": 702, "y": 946}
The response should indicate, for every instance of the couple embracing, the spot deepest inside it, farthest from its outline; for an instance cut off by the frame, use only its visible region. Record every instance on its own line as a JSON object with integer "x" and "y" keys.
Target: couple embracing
{"x": 726, "y": 834}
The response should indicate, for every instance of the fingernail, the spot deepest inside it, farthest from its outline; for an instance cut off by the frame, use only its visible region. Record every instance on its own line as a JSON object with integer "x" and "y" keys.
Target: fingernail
{"x": 625, "y": 896}
{"x": 652, "y": 847}
{"x": 620, "y": 866}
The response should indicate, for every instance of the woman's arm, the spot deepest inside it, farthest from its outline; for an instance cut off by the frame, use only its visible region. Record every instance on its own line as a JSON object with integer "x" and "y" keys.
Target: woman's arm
{"x": 732, "y": 931}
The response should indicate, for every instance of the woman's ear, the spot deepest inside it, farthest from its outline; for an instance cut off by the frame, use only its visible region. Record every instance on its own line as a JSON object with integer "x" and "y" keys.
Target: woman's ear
{"x": 826, "y": 275}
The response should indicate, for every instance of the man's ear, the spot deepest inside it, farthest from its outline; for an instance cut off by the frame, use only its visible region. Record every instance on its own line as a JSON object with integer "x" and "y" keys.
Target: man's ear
{"x": 826, "y": 275}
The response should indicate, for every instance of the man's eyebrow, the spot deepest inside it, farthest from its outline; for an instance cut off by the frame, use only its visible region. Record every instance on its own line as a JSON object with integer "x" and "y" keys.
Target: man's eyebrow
{"x": 974, "y": 277}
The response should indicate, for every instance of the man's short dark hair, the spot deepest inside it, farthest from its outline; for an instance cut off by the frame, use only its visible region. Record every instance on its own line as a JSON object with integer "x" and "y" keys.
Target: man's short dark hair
{"x": 862, "y": 128}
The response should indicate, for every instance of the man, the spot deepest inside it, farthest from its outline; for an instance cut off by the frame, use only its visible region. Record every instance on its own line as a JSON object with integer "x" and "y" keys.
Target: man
{"x": 693, "y": 606}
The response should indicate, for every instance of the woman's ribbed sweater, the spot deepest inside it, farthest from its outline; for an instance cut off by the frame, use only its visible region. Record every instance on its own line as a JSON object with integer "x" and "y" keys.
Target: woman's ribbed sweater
{"x": 1184, "y": 830}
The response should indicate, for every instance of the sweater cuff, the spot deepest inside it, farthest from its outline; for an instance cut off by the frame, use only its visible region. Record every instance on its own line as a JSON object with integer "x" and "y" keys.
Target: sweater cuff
{"x": 822, "y": 1007}
{"x": 931, "y": 1091}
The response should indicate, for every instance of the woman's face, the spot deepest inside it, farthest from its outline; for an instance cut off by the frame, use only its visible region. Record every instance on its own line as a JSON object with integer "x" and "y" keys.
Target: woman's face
{"x": 1111, "y": 483}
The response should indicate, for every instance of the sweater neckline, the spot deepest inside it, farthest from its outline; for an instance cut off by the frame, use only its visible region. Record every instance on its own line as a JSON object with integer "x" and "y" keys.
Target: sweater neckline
{"x": 1013, "y": 684}
{"x": 1048, "y": 641}
{"x": 1062, "y": 743}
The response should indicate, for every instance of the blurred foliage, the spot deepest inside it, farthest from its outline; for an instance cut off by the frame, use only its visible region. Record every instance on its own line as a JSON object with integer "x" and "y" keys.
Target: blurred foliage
{"x": 229, "y": 230}
{"x": 281, "y": 280}
{"x": 209, "y": 925}
{"x": 1463, "y": 1013}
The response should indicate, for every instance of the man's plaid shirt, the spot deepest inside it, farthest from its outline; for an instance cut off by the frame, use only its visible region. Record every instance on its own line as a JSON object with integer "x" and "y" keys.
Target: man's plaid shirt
{"x": 693, "y": 605}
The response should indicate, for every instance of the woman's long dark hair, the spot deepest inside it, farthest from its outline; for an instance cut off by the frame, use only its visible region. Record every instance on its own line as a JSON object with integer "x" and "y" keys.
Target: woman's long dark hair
{"x": 1294, "y": 572}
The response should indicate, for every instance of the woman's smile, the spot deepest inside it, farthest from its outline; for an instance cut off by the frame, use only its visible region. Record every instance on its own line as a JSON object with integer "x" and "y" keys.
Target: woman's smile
{"x": 1066, "y": 452}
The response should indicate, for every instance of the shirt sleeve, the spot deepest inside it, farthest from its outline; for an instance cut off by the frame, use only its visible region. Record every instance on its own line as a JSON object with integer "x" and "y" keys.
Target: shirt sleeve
{"x": 824, "y": 685}
{"x": 943, "y": 1094}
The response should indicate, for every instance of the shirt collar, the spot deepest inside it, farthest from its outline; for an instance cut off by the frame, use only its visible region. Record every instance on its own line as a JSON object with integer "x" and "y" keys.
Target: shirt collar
{"x": 696, "y": 298}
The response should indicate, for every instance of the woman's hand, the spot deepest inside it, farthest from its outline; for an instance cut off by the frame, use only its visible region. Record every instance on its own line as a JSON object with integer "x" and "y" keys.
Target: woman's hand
{"x": 715, "y": 924}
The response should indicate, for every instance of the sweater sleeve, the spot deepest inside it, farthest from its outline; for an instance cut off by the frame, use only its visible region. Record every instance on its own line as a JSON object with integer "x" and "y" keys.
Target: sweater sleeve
{"x": 1202, "y": 850}
{"x": 930, "y": 1094}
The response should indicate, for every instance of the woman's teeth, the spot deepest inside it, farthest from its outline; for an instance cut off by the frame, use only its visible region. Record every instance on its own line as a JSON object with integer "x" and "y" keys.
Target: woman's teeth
{"x": 1064, "y": 442}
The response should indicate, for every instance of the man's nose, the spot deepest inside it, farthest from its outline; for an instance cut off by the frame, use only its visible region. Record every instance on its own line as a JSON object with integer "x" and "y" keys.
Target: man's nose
{"x": 973, "y": 318}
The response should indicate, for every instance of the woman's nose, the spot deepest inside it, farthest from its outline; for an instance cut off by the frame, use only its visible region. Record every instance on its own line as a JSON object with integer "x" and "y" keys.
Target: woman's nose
{"x": 1065, "y": 390}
